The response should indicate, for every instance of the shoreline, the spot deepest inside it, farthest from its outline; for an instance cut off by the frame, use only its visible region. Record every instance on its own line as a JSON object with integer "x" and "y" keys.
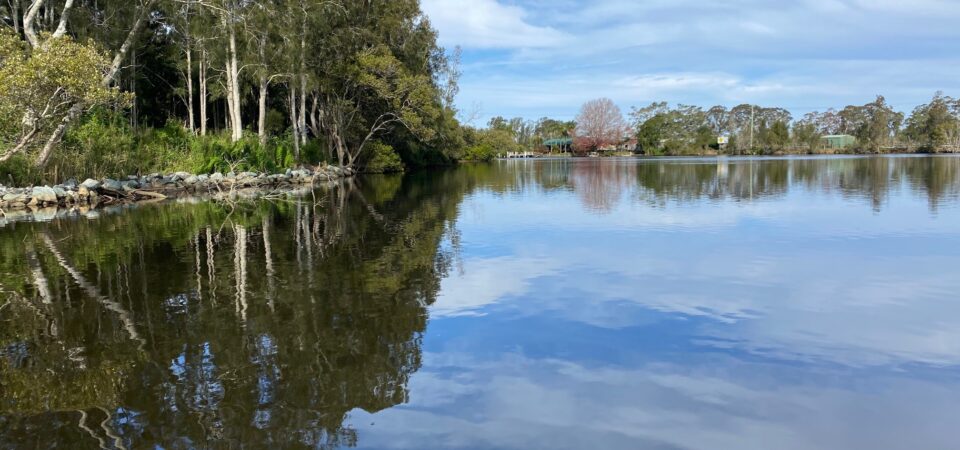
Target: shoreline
{"x": 95, "y": 194}
{"x": 723, "y": 155}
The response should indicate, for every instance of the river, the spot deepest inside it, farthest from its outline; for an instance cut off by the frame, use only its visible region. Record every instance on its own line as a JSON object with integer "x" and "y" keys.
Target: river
{"x": 731, "y": 303}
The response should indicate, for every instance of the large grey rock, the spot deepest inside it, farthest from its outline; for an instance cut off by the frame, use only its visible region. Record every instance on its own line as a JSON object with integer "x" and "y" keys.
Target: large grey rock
{"x": 191, "y": 180}
{"x": 90, "y": 184}
{"x": 71, "y": 184}
{"x": 60, "y": 192}
{"x": 217, "y": 177}
{"x": 43, "y": 194}
{"x": 112, "y": 185}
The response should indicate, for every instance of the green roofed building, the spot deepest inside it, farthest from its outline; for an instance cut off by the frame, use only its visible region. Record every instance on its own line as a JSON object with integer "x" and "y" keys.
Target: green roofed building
{"x": 563, "y": 145}
{"x": 838, "y": 141}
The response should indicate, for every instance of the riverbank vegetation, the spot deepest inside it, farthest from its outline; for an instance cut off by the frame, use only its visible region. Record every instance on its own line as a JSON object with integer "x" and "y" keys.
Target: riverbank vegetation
{"x": 111, "y": 87}
{"x": 662, "y": 129}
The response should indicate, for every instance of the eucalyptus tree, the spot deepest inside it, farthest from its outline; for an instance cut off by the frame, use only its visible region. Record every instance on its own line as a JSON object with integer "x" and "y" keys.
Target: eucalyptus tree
{"x": 936, "y": 124}
{"x": 718, "y": 119}
{"x": 376, "y": 61}
{"x": 875, "y": 124}
{"x": 45, "y": 24}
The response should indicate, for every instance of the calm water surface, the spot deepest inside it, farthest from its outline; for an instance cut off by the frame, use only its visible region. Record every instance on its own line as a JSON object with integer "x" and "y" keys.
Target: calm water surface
{"x": 557, "y": 304}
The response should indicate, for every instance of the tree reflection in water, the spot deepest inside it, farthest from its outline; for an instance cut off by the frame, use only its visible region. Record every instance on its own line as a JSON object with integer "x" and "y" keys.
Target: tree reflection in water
{"x": 196, "y": 325}
{"x": 266, "y": 323}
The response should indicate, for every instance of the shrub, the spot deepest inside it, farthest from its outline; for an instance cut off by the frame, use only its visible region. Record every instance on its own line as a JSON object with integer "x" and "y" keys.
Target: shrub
{"x": 383, "y": 159}
{"x": 480, "y": 152}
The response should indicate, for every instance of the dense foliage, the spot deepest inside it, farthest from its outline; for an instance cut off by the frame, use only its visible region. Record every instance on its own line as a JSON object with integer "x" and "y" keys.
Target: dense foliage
{"x": 205, "y": 84}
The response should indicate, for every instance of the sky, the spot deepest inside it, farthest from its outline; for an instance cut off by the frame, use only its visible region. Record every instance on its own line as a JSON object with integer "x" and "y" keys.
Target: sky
{"x": 545, "y": 58}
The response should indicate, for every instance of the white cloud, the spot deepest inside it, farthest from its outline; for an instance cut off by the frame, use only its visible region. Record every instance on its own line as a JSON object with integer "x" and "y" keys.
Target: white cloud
{"x": 488, "y": 24}
{"x": 803, "y": 55}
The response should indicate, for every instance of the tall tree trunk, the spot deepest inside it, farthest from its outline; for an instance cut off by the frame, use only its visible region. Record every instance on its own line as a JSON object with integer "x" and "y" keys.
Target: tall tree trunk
{"x": 315, "y": 115}
{"x": 16, "y": 16}
{"x": 228, "y": 113}
{"x": 293, "y": 121}
{"x": 262, "y": 112}
{"x": 190, "y": 117}
{"x": 235, "y": 86}
{"x": 134, "y": 112}
{"x": 302, "y": 121}
{"x": 203, "y": 92}
{"x": 302, "y": 124}
{"x": 29, "y": 23}
{"x": 64, "y": 15}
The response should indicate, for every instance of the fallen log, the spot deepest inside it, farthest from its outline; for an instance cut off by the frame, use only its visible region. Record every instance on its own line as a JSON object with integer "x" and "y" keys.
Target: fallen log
{"x": 151, "y": 194}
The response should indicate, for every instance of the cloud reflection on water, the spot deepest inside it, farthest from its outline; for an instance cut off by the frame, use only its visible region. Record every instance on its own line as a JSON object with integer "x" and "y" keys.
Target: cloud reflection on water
{"x": 812, "y": 310}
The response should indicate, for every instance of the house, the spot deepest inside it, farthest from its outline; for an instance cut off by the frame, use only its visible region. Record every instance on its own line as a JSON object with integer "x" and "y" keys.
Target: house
{"x": 838, "y": 141}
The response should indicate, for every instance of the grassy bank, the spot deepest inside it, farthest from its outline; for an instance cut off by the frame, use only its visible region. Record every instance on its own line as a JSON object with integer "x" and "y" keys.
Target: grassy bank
{"x": 109, "y": 147}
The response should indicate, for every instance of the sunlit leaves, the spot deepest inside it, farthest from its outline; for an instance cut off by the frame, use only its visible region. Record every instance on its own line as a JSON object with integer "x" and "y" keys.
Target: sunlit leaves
{"x": 39, "y": 86}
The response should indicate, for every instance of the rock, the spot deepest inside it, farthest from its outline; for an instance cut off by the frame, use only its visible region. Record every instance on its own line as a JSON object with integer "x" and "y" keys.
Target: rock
{"x": 191, "y": 180}
{"x": 90, "y": 184}
{"x": 217, "y": 177}
{"x": 71, "y": 184}
{"x": 180, "y": 176}
{"x": 132, "y": 177}
{"x": 60, "y": 192}
{"x": 231, "y": 176}
{"x": 202, "y": 178}
{"x": 44, "y": 194}
{"x": 130, "y": 186}
{"x": 112, "y": 185}
{"x": 167, "y": 181}
{"x": 14, "y": 197}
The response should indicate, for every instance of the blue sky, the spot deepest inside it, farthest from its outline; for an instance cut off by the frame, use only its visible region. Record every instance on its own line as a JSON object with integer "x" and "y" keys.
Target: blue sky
{"x": 535, "y": 58}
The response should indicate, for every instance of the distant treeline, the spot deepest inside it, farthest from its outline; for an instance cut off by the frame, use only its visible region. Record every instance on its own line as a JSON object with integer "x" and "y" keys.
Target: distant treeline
{"x": 659, "y": 129}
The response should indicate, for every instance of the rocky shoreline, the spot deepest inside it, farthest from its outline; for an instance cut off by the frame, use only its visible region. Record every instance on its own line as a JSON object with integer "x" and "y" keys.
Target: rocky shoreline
{"x": 91, "y": 193}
